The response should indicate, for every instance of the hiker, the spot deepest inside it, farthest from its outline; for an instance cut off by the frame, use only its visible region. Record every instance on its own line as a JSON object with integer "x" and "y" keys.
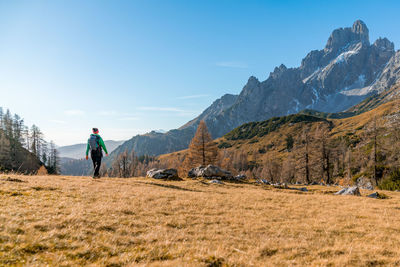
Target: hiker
{"x": 96, "y": 145}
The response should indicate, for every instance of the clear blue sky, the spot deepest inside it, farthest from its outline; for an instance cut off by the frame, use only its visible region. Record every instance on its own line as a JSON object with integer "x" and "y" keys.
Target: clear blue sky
{"x": 128, "y": 67}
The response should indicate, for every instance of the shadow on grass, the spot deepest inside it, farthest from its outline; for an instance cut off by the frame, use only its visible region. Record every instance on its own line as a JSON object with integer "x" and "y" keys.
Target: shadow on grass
{"x": 44, "y": 188}
{"x": 15, "y": 180}
{"x": 170, "y": 186}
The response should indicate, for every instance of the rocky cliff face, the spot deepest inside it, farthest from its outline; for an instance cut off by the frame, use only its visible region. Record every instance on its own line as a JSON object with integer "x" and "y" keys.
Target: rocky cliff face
{"x": 329, "y": 80}
{"x": 333, "y": 79}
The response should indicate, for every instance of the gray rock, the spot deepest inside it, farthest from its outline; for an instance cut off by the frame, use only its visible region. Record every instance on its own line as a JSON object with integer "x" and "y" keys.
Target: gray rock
{"x": 162, "y": 174}
{"x": 209, "y": 172}
{"x": 364, "y": 183}
{"x": 265, "y": 182}
{"x": 216, "y": 182}
{"x": 240, "y": 177}
{"x": 374, "y": 195}
{"x": 378, "y": 196}
{"x": 355, "y": 191}
{"x": 304, "y": 189}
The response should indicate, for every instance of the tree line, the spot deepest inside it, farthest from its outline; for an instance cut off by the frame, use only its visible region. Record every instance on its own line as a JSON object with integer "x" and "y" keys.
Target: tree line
{"x": 23, "y": 148}
{"x": 313, "y": 152}
{"x": 320, "y": 154}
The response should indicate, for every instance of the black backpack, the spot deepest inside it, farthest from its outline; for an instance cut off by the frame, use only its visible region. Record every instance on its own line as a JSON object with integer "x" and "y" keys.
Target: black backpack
{"x": 94, "y": 142}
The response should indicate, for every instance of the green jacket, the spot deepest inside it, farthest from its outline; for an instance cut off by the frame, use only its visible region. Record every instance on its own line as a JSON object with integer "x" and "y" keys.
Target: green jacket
{"x": 101, "y": 143}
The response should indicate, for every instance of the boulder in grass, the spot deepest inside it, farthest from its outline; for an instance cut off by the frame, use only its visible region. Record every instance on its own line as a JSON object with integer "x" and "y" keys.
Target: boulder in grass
{"x": 196, "y": 172}
{"x": 378, "y": 196}
{"x": 210, "y": 172}
{"x": 163, "y": 174}
{"x": 374, "y": 195}
{"x": 216, "y": 182}
{"x": 364, "y": 183}
{"x": 353, "y": 191}
{"x": 240, "y": 177}
{"x": 263, "y": 181}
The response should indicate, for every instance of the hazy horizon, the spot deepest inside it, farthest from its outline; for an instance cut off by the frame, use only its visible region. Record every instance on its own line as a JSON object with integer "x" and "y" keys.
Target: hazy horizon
{"x": 129, "y": 67}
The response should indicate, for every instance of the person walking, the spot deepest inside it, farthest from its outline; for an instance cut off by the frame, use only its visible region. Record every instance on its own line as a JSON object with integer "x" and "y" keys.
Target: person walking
{"x": 96, "y": 145}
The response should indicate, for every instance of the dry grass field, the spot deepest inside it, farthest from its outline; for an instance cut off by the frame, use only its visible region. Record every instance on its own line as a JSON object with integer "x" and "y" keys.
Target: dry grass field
{"x": 69, "y": 221}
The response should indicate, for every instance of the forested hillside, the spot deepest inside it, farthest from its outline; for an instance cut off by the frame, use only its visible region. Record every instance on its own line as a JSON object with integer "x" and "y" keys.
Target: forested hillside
{"x": 23, "y": 149}
{"x": 307, "y": 148}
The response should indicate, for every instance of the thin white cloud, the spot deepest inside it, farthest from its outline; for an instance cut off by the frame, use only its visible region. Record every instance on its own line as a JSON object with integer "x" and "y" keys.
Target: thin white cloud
{"x": 74, "y": 112}
{"x": 192, "y": 96}
{"x": 232, "y": 64}
{"x": 108, "y": 113}
{"x": 58, "y": 121}
{"x": 169, "y": 109}
{"x": 128, "y": 119}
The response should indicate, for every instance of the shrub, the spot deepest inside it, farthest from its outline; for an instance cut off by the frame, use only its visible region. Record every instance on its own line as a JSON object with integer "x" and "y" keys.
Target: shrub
{"x": 355, "y": 170}
{"x": 269, "y": 146}
{"x": 224, "y": 145}
{"x": 360, "y": 128}
{"x": 392, "y": 182}
{"x": 358, "y": 175}
{"x": 262, "y": 150}
{"x": 289, "y": 142}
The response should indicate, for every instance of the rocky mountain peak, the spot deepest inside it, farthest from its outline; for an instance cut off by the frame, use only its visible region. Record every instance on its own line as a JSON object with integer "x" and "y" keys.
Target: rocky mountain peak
{"x": 278, "y": 71}
{"x": 361, "y": 30}
{"x": 344, "y": 36}
{"x": 252, "y": 81}
{"x": 384, "y": 44}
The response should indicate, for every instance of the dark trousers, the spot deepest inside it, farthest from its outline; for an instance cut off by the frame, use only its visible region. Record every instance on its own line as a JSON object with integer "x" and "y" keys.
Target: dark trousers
{"x": 96, "y": 158}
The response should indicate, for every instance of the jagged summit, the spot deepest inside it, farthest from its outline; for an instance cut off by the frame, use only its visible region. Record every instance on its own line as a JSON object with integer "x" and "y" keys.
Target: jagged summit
{"x": 384, "y": 44}
{"x": 361, "y": 30}
{"x": 345, "y": 36}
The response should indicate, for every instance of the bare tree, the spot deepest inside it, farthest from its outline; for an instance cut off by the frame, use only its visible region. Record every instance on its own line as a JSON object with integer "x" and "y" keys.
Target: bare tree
{"x": 122, "y": 165}
{"x": 303, "y": 155}
{"x": 288, "y": 173}
{"x": 325, "y": 150}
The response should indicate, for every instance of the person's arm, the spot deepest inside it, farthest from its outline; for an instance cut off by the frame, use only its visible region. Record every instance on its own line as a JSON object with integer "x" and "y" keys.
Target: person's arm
{"x": 103, "y": 145}
{"x": 87, "y": 150}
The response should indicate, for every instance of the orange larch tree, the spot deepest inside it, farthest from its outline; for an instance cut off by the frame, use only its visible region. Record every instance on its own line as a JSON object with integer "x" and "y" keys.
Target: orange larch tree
{"x": 202, "y": 149}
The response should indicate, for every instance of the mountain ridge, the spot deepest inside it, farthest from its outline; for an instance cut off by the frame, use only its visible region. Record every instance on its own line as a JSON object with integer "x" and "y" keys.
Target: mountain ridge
{"x": 77, "y": 151}
{"x": 344, "y": 73}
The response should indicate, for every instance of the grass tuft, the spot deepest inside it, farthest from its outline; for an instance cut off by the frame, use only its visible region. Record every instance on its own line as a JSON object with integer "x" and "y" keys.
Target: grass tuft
{"x": 268, "y": 252}
{"x": 213, "y": 261}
